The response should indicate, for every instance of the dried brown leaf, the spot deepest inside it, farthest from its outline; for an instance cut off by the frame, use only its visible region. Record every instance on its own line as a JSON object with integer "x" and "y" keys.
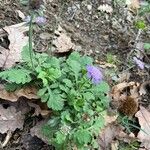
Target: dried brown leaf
{"x": 143, "y": 116}
{"x": 38, "y": 110}
{"x": 105, "y": 64}
{"x": 36, "y": 131}
{"x": 63, "y": 43}
{"x": 110, "y": 119}
{"x": 21, "y": 14}
{"x": 10, "y": 119}
{"x": 107, "y": 135}
{"x": 144, "y": 88}
{"x": 28, "y": 92}
{"x": 8, "y": 57}
{"x": 117, "y": 90}
{"x": 115, "y": 145}
{"x": 127, "y": 138}
{"x": 133, "y": 4}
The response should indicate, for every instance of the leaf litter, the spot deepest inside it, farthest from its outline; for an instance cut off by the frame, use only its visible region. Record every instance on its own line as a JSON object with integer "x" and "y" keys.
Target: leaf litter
{"x": 10, "y": 119}
{"x": 143, "y": 116}
{"x": 64, "y": 44}
{"x": 9, "y": 57}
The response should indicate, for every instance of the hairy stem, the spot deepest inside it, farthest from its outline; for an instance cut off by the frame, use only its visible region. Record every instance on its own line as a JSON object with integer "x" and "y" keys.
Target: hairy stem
{"x": 30, "y": 40}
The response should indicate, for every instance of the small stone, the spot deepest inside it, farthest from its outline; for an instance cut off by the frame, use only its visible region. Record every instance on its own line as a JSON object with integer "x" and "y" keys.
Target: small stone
{"x": 89, "y": 7}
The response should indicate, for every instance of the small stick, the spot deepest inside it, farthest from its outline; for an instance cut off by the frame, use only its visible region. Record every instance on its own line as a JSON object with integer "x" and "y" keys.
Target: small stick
{"x": 7, "y": 138}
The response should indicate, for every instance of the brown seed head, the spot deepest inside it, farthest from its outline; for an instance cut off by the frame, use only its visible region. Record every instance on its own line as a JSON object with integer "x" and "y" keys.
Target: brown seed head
{"x": 128, "y": 106}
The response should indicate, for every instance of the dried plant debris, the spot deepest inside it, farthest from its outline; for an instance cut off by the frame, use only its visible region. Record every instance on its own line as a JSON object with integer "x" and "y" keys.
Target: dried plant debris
{"x": 37, "y": 131}
{"x": 133, "y": 4}
{"x": 143, "y": 116}
{"x": 105, "y": 8}
{"x": 145, "y": 88}
{"x": 21, "y": 14}
{"x": 9, "y": 57}
{"x": 107, "y": 135}
{"x": 125, "y": 97}
{"x": 28, "y": 92}
{"x": 62, "y": 41}
{"x": 39, "y": 110}
{"x": 10, "y": 119}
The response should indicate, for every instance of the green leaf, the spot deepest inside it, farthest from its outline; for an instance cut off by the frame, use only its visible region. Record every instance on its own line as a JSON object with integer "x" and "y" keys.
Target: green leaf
{"x": 18, "y": 76}
{"x": 55, "y": 101}
{"x": 99, "y": 122}
{"x": 102, "y": 87}
{"x": 54, "y": 121}
{"x": 63, "y": 88}
{"x": 68, "y": 82}
{"x": 88, "y": 96}
{"x": 147, "y": 46}
{"x": 42, "y": 91}
{"x": 140, "y": 24}
{"x": 55, "y": 62}
{"x": 44, "y": 98}
{"x": 42, "y": 75}
{"x": 53, "y": 74}
{"x": 74, "y": 56}
{"x": 83, "y": 136}
{"x": 60, "y": 137}
{"x": 75, "y": 67}
{"x": 85, "y": 60}
{"x": 25, "y": 53}
{"x": 12, "y": 86}
{"x": 66, "y": 116}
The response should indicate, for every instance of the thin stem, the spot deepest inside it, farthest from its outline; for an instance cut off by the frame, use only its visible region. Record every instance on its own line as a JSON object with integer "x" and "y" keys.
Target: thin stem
{"x": 30, "y": 39}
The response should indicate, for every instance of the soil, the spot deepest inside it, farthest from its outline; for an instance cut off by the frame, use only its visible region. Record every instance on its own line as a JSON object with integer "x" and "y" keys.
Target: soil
{"x": 94, "y": 33}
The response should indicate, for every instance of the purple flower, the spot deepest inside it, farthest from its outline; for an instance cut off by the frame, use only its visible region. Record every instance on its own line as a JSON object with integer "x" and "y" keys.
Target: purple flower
{"x": 139, "y": 63}
{"x": 40, "y": 20}
{"x": 94, "y": 74}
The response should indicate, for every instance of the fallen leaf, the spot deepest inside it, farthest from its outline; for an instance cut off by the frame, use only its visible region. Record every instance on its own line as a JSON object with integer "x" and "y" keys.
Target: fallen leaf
{"x": 145, "y": 88}
{"x": 110, "y": 119}
{"x": 21, "y": 14}
{"x": 10, "y": 120}
{"x": 115, "y": 145}
{"x": 63, "y": 43}
{"x": 143, "y": 116}
{"x": 28, "y": 92}
{"x": 36, "y": 131}
{"x": 133, "y": 4}
{"x": 123, "y": 77}
{"x": 127, "y": 138}
{"x": 117, "y": 90}
{"x": 38, "y": 110}
{"x": 105, "y": 64}
{"x": 8, "y": 57}
{"x": 107, "y": 135}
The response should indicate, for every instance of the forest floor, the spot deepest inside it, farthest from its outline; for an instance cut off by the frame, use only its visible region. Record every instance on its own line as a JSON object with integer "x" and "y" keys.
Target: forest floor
{"x": 113, "y": 33}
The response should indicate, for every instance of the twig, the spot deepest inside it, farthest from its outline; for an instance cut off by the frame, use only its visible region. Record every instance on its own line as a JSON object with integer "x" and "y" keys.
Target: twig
{"x": 135, "y": 44}
{"x": 7, "y": 138}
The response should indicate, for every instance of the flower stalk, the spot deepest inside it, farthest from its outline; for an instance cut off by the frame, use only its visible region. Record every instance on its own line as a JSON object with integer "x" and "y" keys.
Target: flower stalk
{"x": 31, "y": 39}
